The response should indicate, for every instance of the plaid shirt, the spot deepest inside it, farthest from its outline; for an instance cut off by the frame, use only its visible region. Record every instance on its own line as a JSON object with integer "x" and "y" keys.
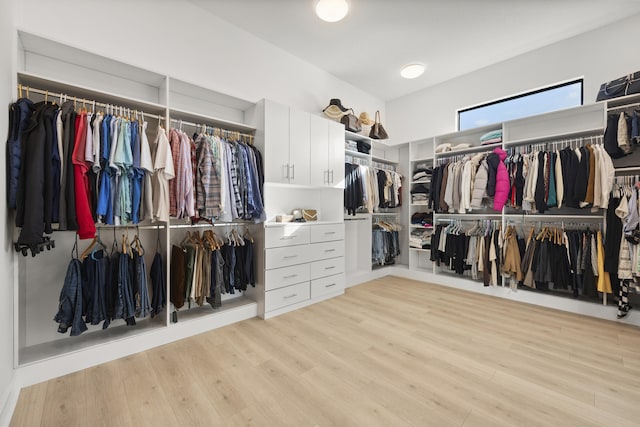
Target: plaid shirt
{"x": 174, "y": 141}
{"x": 208, "y": 182}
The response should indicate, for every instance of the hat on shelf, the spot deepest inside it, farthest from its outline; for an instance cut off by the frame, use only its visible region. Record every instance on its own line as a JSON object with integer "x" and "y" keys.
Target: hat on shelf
{"x": 365, "y": 119}
{"x": 335, "y": 110}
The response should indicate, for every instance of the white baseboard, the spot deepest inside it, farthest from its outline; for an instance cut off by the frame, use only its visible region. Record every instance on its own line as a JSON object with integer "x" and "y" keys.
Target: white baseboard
{"x": 8, "y": 402}
{"x": 537, "y": 298}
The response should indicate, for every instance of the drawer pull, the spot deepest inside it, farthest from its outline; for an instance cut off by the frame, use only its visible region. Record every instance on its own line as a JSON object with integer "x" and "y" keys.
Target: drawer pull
{"x": 287, "y": 237}
{"x": 330, "y": 268}
{"x": 290, "y": 277}
{"x": 330, "y": 232}
{"x": 290, "y": 296}
{"x": 329, "y": 250}
{"x": 290, "y": 256}
{"x": 328, "y": 286}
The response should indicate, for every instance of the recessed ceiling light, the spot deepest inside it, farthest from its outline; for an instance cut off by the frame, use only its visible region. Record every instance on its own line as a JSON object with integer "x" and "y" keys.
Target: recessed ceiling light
{"x": 332, "y": 10}
{"x": 411, "y": 71}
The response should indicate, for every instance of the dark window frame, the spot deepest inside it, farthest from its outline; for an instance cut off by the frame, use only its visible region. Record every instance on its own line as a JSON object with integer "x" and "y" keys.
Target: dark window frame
{"x": 521, "y": 95}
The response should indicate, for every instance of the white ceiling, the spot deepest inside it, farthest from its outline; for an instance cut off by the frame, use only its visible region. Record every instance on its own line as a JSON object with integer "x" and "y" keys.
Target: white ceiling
{"x": 452, "y": 37}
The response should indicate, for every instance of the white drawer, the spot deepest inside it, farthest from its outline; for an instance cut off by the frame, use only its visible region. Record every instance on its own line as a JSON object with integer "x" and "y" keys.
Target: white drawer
{"x": 326, "y": 232}
{"x": 327, "y": 285}
{"x": 327, "y": 267}
{"x": 281, "y": 277}
{"x": 277, "y": 237}
{"x": 318, "y": 251}
{"x": 286, "y": 296}
{"x": 284, "y": 257}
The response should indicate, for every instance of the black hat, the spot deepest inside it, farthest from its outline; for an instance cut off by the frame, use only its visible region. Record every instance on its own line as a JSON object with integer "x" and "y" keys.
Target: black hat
{"x": 337, "y": 103}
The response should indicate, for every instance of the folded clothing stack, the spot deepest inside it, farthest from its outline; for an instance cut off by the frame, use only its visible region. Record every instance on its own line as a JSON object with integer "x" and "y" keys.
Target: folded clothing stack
{"x": 351, "y": 145}
{"x": 422, "y": 218}
{"x": 420, "y": 239}
{"x": 420, "y": 194}
{"x": 493, "y": 137}
{"x": 422, "y": 172}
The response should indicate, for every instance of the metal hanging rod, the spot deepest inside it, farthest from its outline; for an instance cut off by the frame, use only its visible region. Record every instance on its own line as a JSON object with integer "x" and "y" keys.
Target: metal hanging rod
{"x": 181, "y": 122}
{"x": 85, "y": 101}
{"x": 558, "y": 218}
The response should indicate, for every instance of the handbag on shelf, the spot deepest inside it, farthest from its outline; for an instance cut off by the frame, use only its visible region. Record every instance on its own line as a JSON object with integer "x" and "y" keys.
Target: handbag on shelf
{"x": 627, "y": 85}
{"x": 351, "y": 122}
{"x": 309, "y": 214}
{"x": 377, "y": 130}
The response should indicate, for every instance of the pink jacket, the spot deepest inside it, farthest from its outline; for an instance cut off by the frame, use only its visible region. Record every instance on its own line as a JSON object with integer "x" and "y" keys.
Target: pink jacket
{"x": 502, "y": 181}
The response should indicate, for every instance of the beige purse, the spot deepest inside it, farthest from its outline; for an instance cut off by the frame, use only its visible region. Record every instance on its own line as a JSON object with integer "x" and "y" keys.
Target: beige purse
{"x": 309, "y": 214}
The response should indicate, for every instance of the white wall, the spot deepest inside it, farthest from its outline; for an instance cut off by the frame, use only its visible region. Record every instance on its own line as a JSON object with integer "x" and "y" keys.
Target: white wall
{"x": 599, "y": 55}
{"x": 188, "y": 43}
{"x": 7, "y": 46}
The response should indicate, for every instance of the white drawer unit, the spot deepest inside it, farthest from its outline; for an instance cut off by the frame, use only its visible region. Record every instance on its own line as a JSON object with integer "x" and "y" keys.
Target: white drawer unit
{"x": 284, "y": 257}
{"x": 327, "y": 267}
{"x": 288, "y": 295}
{"x": 327, "y": 285}
{"x": 326, "y": 250}
{"x": 302, "y": 261}
{"x": 277, "y": 237}
{"x": 327, "y": 232}
{"x": 281, "y": 277}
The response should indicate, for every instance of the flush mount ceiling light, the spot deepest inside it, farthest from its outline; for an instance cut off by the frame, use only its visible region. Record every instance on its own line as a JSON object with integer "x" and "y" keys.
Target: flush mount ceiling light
{"x": 411, "y": 71}
{"x": 332, "y": 10}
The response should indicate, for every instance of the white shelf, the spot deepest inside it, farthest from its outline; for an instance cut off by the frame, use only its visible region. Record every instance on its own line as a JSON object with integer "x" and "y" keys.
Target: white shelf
{"x": 420, "y": 227}
{"x": 419, "y": 204}
{"x": 177, "y": 114}
{"x": 554, "y": 137}
{"x": 383, "y": 160}
{"x": 473, "y": 149}
{"x": 419, "y": 249}
{"x": 86, "y": 93}
{"x": 348, "y": 152}
{"x": 423, "y": 159}
{"x": 356, "y": 136}
{"x": 421, "y": 182}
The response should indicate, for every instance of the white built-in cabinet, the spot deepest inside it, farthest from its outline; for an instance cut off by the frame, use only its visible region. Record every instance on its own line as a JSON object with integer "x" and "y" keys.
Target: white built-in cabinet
{"x": 287, "y": 135}
{"x": 327, "y": 161}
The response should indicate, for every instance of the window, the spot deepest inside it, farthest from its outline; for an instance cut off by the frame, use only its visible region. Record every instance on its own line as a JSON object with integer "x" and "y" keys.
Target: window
{"x": 556, "y": 97}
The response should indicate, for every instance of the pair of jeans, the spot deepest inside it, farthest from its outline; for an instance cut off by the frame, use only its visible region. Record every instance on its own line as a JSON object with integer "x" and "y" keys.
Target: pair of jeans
{"x": 70, "y": 306}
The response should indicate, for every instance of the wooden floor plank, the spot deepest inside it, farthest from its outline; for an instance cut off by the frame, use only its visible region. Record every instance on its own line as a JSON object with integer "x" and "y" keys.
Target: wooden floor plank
{"x": 389, "y": 352}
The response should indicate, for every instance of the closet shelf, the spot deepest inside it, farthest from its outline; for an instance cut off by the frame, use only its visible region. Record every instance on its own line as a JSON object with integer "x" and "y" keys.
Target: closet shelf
{"x": 301, "y": 224}
{"x": 352, "y": 136}
{"x": 598, "y": 131}
{"x": 422, "y": 159}
{"x": 178, "y": 114}
{"x": 475, "y": 149}
{"x": 357, "y": 154}
{"x": 88, "y": 94}
{"x": 95, "y": 337}
{"x": 383, "y": 160}
{"x": 419, "y": 249}
{"x": 420, "y": 181}
{"x": 207, "y": 312}
{"x": 421, "y": 227}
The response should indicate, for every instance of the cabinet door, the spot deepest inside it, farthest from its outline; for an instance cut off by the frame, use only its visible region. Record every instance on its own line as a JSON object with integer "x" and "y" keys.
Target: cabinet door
{"x": 276, "y": 134}
{"x": 299, "y": 144}
{"x": 319, "y": 168}
{"x": 336, "y": 154}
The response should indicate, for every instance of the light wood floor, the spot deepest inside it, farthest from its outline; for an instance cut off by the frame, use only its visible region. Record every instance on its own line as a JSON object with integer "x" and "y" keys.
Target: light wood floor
{"x": 390, "y": 352}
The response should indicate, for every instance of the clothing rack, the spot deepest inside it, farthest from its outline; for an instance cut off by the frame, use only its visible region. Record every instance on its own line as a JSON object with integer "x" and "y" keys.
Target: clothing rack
{"x": 222, "y": 131}
{"x": 109, "y": 107}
